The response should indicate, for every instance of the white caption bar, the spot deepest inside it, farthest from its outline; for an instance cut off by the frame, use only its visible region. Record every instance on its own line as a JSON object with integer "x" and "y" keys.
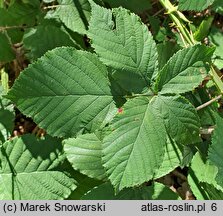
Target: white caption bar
{"x": 110, "y": 208}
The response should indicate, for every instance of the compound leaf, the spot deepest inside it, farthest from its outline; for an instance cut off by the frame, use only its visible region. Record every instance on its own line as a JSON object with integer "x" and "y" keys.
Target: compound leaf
{"x": 180, "y": 117}
{"x": 125, "y": 45}
{"x": 28, "y": 169}
{"x": 185, "y": 70}
{"x": 65, "y": 91}
{"x": 84, "y": 153}
{"x": 134, "y": 148}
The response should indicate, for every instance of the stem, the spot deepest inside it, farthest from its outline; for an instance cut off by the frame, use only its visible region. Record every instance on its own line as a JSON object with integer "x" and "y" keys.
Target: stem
{"x": 158, "y": 12}
{"x": 3, "y": 28}
{"x": 178, "y": 18}
{"x": 209, "y": 102}
{"x": 182, "y": 29}
{"x": 51, "y": 7}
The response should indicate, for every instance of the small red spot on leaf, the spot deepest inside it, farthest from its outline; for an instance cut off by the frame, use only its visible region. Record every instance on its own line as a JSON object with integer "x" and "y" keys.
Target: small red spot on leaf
{"x": 120, "y": 110}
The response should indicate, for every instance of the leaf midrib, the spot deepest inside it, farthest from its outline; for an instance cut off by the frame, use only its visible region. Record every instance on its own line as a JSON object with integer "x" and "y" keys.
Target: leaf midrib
{"x": 134, "y": 143}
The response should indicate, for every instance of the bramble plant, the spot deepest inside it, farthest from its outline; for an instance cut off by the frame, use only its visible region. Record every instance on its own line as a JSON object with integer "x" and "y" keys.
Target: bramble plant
{"x": 125, "y": 106}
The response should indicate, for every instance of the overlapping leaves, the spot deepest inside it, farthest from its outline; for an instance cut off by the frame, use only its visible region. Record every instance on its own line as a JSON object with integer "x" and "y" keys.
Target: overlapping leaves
{"x": 202, "y": 180}
{"x": 185, "y": 70}
{"x": 28, "y": 169}
{"x": 68, "y": 92}
{"x": 7, "y": 117}
{"x": 180, "y": 118}
{"x": 155, "y": 192}
{"x": 84, "y": 153}
{"x": 65, "y": 92}
{"x": 134, "y": 148}
{"x": 216, "y": 149}
{"x": 38, "y": 40}
{"x": 125, "y": 45}
{"x": 79, "y": 14}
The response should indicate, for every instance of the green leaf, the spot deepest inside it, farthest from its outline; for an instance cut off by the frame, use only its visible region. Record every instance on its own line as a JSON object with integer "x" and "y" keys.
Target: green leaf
{"x": 166, "y": 50}
{"x": 106, "y": 192}
{"x": 84, "y": 153}
{"x": 6, "y": 18}
{"x": 7, "y": 117}
{"x": 188, "y": 154}
{"x": 74, "y": 14}
{"x": 136, "y": 6}
{"x": 202, "y": 171}
{"x": 19, "y": 13}
{"x": 216, "y": 39}
{"x": 125, "y": 44}
{"x": 28, "y": 169}
{"x": 5, "y": 104}
{"x": 218, "y": 6}
{"x": 213, "y": 193}
{"x": 155, "y": 192}
{"x": 7, "y": 24}
{"x": 185, "y": 70}
{"x": 180, "y": 118}
{"x": 102, "y": 192}
{"x": 172, "y": 159}
{"x": 199, "y": 97}
{"x": 2, "y": 4}
{"x": 24, "y": 13}
{"x": 194, "y": 5}
{"x": 84, "y": 184}
{"x": 37, "y": 41}
{"x": 6, "y": 52}
{"x": 133, "y": 150}
{"x": 65, "y": 92}
{"x": 215, "y": 154}
{"x": 203, "y": 29}
{"x": 160, "y": 192}
{"x": 6, "y": 124}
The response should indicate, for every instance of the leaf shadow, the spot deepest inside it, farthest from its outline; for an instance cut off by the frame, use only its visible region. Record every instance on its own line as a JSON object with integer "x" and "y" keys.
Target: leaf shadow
{"x": 42, "y": 148}
{"x": 81, "y": 13}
